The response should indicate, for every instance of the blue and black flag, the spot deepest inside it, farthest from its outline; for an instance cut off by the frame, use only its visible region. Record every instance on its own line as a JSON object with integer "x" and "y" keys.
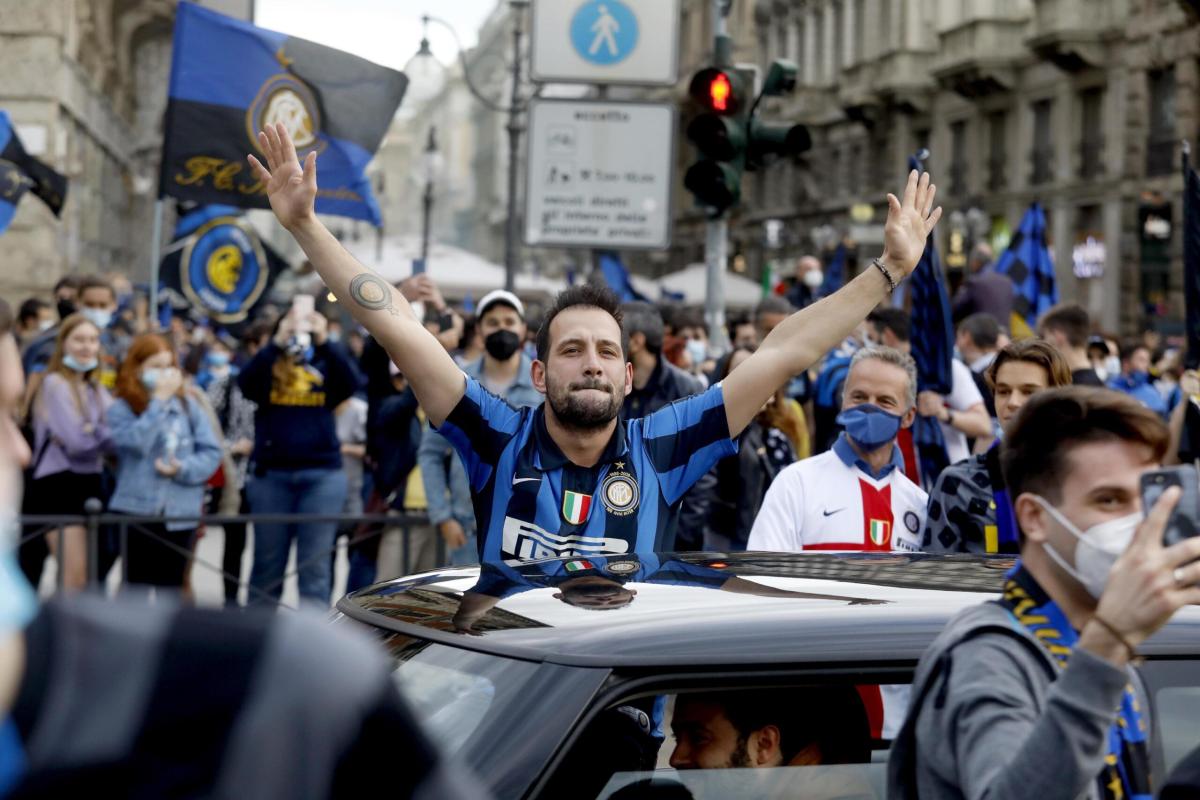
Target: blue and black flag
{"x": 21, "y": 172}
{"x": 230, "y": 79}
{"x": 933, "y": 350}
{"x": 1028, "y": 264}
{"x": 617, "y": 277}
{"x": 218, "y": 266}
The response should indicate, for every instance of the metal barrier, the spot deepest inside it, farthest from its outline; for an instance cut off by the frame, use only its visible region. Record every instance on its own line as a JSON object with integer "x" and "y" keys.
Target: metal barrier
{"x": 96, "y": 523}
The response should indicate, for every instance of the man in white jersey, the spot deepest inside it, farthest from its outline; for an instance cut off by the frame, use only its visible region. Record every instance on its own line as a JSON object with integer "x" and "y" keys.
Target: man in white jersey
{"x": 854, "y": 496}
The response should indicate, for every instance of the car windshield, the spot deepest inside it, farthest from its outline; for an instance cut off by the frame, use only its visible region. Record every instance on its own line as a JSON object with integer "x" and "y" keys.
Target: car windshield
{"x": 840, "y": 782}
{"x": 454, "y": 691}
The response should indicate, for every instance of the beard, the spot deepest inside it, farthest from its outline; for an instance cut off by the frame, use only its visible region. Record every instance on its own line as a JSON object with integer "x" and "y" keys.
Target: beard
{"x": 584, "y": 413}
{"x": 740, "y": 756}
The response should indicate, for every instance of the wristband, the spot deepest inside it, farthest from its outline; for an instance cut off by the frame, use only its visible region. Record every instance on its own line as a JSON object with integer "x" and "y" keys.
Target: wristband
{"x": 1116, "y": 634}
{"x": 887, "y": 276}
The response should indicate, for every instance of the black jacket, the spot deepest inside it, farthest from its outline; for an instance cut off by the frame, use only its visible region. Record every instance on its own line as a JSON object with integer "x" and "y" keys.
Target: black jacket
{"x": 667, "y": 384}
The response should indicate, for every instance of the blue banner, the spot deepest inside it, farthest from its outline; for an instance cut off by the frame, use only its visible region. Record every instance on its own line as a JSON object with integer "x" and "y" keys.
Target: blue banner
{"x": 617, "y": 277}
{"x": 230, "y": 79}
{"x": 21, "y": 173}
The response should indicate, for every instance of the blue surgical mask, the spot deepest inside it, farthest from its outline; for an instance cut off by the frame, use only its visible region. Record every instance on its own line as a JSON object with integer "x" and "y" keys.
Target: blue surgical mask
{"x": 150, "y": 378}
{"x": 217, "y": 359}
{"x": 71, "y": 362}
{"x": 869, "y": 426}
{"x": 100, "y": 317}
{"x": 697, "y": 350}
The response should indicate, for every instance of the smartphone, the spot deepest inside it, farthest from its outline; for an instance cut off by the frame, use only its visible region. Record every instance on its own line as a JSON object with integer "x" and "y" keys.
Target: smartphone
{"x": 1185, "y": 519}
{"x": 303, "y": 306}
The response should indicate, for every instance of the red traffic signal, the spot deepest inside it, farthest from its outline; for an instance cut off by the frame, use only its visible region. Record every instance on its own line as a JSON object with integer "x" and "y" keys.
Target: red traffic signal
{"x": 717, "y": 90}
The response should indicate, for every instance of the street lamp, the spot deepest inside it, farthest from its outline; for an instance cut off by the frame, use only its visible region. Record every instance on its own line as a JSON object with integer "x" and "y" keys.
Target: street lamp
{"x": 431, "y": 169}
{"x": 514, "y": 108}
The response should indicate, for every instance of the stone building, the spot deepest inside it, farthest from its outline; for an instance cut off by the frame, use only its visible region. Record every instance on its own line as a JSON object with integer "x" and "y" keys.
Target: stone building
{"x": 1078, "y": 104}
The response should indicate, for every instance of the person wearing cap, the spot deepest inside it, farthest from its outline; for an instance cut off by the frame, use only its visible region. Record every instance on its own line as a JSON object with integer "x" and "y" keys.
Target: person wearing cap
{"x": 571, "y": 477}
{"x": 504, "y": 370}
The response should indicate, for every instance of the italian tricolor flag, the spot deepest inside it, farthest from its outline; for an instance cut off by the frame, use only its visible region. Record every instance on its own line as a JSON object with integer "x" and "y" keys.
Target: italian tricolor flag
{"x": 576, "y": 506}
{"x": 578, "y": 566}
{"x": 879, "y": 532}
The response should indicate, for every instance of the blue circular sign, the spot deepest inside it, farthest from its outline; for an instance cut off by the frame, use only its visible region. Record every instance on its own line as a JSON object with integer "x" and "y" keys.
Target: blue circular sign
{"x": 604, "y": 31}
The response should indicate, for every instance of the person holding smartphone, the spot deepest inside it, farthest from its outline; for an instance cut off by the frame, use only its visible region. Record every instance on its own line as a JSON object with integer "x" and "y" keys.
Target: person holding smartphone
{"x": 1033, "y": 695}
{"x": 296, "y": 381}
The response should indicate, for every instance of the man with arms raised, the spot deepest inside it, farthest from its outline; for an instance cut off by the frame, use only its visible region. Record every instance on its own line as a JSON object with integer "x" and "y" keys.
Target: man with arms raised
{"x": 1032, "y": 695}
{"x": 571, "y": 477}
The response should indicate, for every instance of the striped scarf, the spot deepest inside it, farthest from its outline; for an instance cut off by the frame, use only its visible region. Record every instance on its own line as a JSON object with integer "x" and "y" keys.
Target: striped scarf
{"x": 1126, "y": 773}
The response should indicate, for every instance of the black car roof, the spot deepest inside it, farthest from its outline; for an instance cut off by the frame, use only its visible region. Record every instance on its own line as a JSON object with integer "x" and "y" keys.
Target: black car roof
{"x": 684, "y": 609}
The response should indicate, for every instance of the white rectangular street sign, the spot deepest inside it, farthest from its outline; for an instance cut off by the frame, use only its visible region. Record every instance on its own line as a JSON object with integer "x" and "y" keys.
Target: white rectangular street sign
{"x": 599, "y": 174}
{"x": 633, "y": 42}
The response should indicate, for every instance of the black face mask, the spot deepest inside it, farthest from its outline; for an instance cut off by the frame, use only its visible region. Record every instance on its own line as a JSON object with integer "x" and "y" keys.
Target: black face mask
{"x": 502, "y": 344}
{"x": 65, "y": 308}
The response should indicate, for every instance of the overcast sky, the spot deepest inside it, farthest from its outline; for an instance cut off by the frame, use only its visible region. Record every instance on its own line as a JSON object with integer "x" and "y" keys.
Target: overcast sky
{"x": 387, "y": 32}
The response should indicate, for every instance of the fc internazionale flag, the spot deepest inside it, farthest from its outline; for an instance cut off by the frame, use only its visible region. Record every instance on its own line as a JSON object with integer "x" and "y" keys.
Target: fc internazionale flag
{"x": 1028, "y": 264}
{"x": 230, "y": 79}
{"x": 21, "y": 172}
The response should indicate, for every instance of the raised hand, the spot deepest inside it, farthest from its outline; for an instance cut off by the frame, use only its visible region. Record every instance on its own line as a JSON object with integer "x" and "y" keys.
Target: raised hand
{"x": 291, "y": 188}
{"x": 909, "y": 223}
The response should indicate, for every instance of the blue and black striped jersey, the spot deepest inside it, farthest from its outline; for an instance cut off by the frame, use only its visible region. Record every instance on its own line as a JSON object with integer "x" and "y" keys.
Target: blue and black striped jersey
{"x": 531, "y": 502}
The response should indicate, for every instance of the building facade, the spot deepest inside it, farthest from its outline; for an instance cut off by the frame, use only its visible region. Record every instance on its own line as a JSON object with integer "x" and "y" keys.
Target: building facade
{"x": 1077, "y": 104}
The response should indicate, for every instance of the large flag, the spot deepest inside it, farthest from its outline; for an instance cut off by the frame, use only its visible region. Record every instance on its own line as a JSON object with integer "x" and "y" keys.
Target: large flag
{"x": 835, "y": 272}
{"x": 1191, "y": 260}
{"x": 617, "y": 277}
{"x": 933, "y": 350}
{"x": 218, "y": 265}
{"x": 229, "y": 79}
{"x": 1028, "y": 264}
{"x": 21, "y": 172}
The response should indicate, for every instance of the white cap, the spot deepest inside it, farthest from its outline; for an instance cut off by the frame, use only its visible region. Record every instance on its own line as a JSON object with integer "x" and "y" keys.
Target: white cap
{"x": 499, "y": 296}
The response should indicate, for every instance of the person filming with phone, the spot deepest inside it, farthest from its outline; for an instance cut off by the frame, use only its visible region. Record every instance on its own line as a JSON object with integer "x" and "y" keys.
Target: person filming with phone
{"x": 1033, "y": 694}
{"x": 296, "y": 380}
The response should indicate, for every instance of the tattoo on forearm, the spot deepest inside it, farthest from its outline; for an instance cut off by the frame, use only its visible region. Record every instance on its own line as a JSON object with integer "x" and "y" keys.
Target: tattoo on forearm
{"x": 370, "y": 291}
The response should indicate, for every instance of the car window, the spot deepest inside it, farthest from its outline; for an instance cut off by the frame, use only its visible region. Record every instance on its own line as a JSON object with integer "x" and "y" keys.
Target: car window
{"x": 1178, "y": 709}
{"x": 839, "y": 782}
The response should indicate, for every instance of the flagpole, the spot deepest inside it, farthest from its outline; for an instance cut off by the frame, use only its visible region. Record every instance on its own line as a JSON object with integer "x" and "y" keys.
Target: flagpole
{"x": 155, "y": 257}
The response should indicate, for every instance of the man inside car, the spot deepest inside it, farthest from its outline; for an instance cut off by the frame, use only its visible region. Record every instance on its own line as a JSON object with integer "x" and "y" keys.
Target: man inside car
{"x": 572, "y": 478}
{"x": 1032, "y": 695}
{"x": 789, "y": 727}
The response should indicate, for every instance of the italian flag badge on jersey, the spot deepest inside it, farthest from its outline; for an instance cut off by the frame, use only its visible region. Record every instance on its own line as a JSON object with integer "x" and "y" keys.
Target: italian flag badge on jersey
{"x": 880, "y": 530}
{"x": 578, "y": 566}
{"x": 576, "y": 506}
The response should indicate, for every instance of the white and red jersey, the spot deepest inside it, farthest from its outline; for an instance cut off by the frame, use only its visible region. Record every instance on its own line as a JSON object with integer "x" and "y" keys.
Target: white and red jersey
{"x": 831, "y": 502}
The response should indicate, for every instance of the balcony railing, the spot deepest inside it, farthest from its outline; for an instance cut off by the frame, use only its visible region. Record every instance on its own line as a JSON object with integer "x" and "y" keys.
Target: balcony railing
{"x": 1042, "y": 159}
{"x": 1091, "y": 158}
{"x": 1160, "y": 155}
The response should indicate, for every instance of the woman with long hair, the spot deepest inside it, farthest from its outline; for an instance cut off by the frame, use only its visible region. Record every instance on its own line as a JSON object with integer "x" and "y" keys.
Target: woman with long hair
{"x": 738, "y": 483}
{"x": 166, "y": 451}
{"x": 68, "y": 408}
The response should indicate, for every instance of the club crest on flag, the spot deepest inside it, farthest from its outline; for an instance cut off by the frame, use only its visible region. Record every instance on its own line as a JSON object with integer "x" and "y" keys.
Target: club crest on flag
{"x": 575, "y": 507}
{"x": 223, "y": 268}
{"x": 880, "y": 532}
{"x": 286, "y": 99}
{"x": 12, "y": 183}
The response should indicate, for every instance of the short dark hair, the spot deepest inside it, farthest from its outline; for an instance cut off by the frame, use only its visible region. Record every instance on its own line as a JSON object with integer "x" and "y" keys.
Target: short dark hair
{"x": 1127, "y": 347}
{"x": 66, "y": 282}
{"x": 772, "y": 304}
{"x": 1032, "y": 351}
{"x": 892, "y": 319}
{"x": 95, "y": 282}
{"x": 643, "y": 318}
{"x": 30, "y": 309}
{"x": 1033, "y": 455}
{"x": 1070, "y": 319}
{"x": 735, "y": 321}
{"x": 583, "y": 296}
{"x": 982, "y": 328}
{"x": 832, "y": 717}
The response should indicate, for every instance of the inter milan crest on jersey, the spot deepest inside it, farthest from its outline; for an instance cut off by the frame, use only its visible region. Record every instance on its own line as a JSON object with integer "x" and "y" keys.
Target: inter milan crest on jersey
{"x": 620, "y": 493}
{"x": 575, "y": 507}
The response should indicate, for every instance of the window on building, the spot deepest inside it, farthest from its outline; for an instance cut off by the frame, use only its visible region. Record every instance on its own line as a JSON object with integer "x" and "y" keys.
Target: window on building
{"x": 1042, "y": 156}
{"x": 1160, "y": 148}
{"x": 781, "y": 42}
{"x": 860, "y": 31}
{"x": 854, "y": 171}
{"x": 882, "y": 168}
{"x": 802, "y": 75}
{"x": 819, "y": 74}
{"x": 834, "y": 179}
{"x": 1091, "y": 138}
{"x": 839, "y": 37}
{"x": 885, "y": 26}
{"x": 958, "y": 158}
{"x": 997, "y": 151}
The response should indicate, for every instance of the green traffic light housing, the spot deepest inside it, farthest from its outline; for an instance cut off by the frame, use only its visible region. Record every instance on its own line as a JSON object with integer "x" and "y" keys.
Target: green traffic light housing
{"x": 771, "y": 140}
{"x": 781, "y": 78}
{"x": 714, "y": 184}
{"x": 719, "y": 138}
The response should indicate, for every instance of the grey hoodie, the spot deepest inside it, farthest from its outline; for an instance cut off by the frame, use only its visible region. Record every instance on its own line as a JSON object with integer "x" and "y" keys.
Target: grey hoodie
{"x": 992, "y": 716}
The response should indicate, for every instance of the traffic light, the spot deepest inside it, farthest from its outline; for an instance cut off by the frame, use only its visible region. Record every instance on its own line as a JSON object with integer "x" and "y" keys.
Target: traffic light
{"x": 719, "y": 133}
{"x": 772, "y": 140}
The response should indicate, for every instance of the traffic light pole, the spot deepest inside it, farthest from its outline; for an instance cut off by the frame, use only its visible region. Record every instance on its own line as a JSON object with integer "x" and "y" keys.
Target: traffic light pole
{"x": 716, "y": 233}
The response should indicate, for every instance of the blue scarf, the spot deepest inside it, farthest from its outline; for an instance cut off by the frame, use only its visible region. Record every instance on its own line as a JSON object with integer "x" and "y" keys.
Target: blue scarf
{"x": 1126, "y": 773}
{"x": 12, "y": 757}
{"x": 1006, "y": 522}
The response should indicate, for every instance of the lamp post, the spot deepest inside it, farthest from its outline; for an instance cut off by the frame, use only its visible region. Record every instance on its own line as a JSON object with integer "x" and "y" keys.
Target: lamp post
{"x": 431, "y": 155}
{"x": 514, "y": 128}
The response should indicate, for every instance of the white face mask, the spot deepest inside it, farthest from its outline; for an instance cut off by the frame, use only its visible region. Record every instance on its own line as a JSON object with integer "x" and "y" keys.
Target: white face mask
{"x": 1112, "y": 366}
{"x": 814, "y": 278}
{"x": 1096, "y": 549}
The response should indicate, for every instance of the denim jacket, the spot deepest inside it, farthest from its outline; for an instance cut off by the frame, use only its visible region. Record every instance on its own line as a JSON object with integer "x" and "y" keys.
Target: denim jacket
{"x": 446, "y": 487}
{"x": 140, "y": 439}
